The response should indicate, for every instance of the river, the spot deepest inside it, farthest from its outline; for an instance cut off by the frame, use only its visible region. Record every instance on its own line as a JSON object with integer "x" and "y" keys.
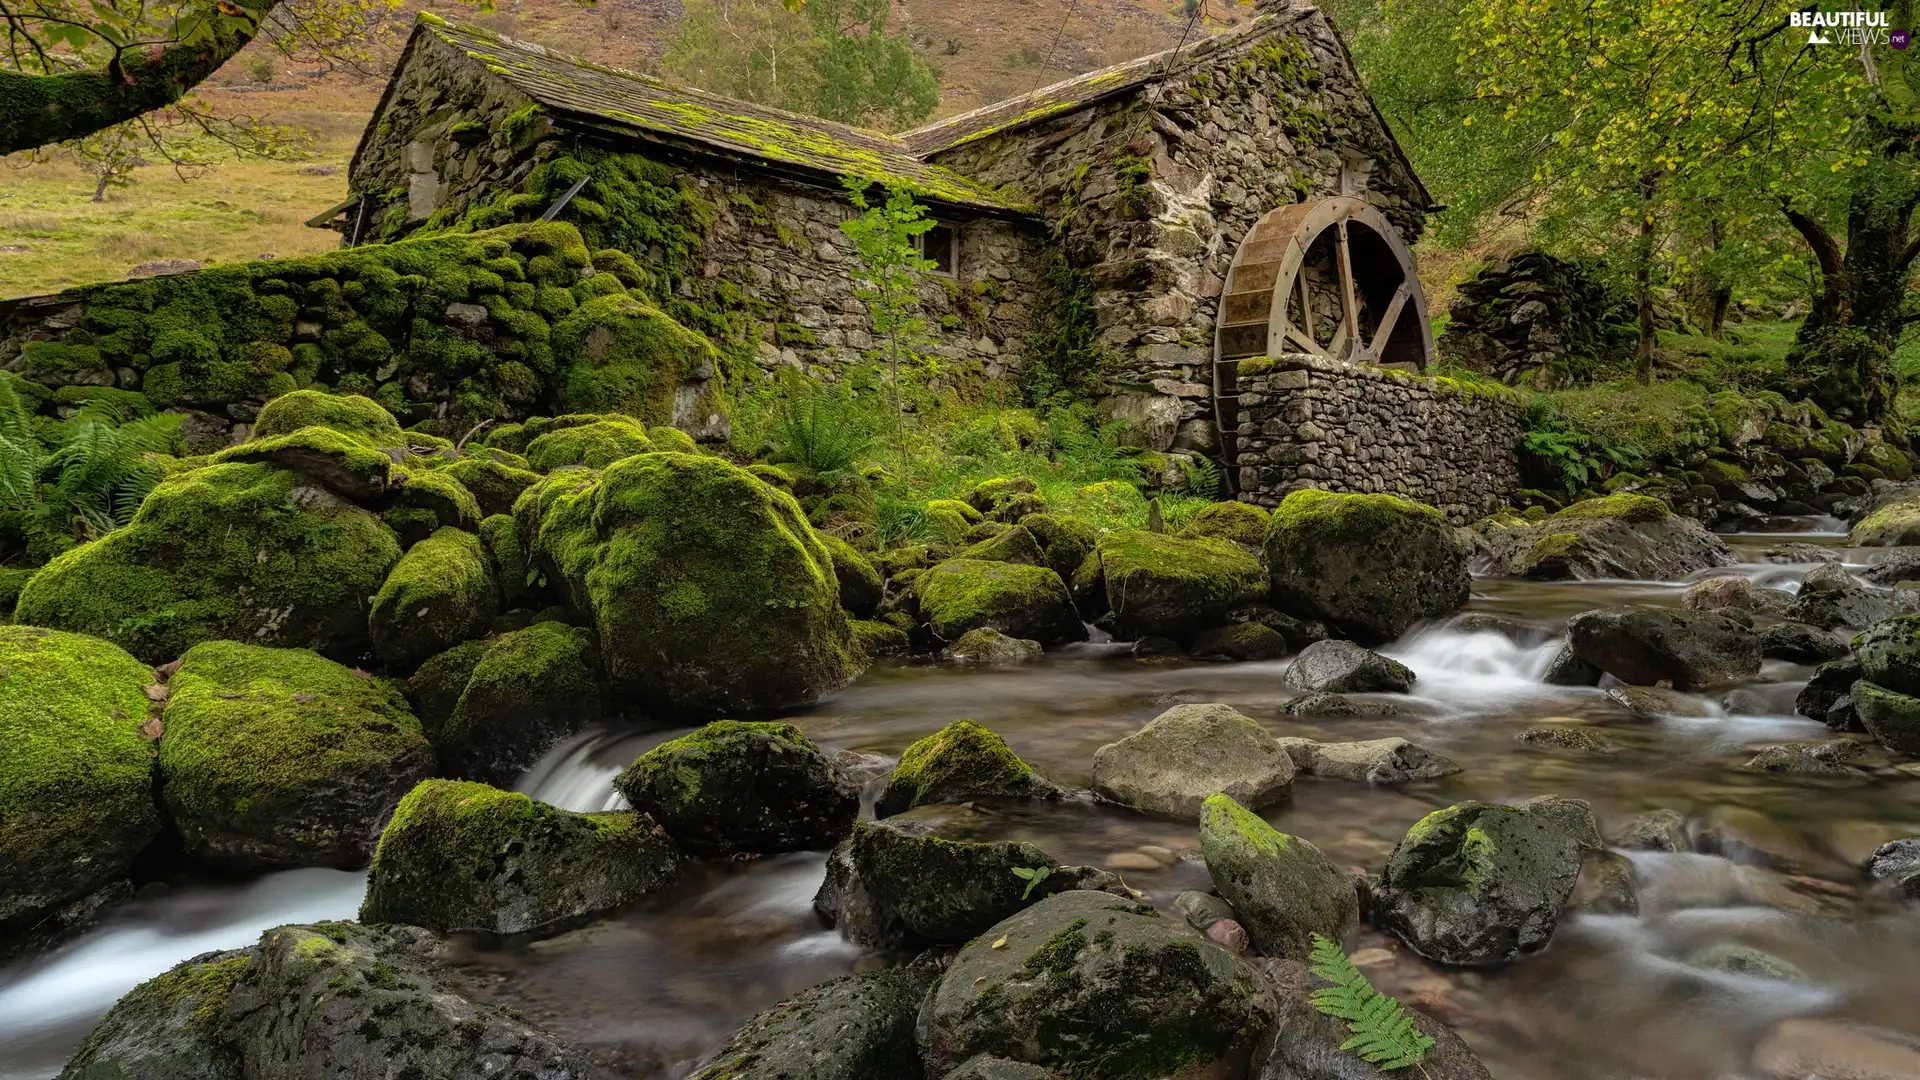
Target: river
{"x": 652, "y": 991}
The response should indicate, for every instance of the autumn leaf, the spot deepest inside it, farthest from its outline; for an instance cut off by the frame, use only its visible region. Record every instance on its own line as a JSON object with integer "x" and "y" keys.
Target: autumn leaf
{"x": 156, "y": 691}
{"x": 153, "y": 727}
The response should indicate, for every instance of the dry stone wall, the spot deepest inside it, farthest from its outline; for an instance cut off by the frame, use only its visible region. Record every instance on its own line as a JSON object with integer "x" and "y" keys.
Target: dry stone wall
{"x": 1306, "y": 422}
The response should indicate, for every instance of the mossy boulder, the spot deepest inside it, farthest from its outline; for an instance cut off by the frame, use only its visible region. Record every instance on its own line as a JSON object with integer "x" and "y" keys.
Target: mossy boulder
{"x": 1020, "y": 601}
{"x": 1241, "y": 641}
{"x": 465, "y": 856}
{"x": 595, "y": 445}
{"x": 76, "y": 774}
{"x": 494, "y": 484}
{"x": 898, "y": 884}
{"x": 1370, "y": 565}
{"x": 1087, "y": 984}
{"x": 1889, "y": 716}
{"x": 330, "y": 998}
{"x": 442, "y": 592}
{"x": 1065, "y": 541}
{"x": 361, "y": 418}
{"x": 621, "y": 354}
{"x": 737, "y": 787}
{"x": 1889, "y": 654}
{"x": 709, "y": 591}
{"x": 1014, "y": 545}
{"x": 421, "y": 500}
{"x": 1284, "y": 889}
{"x": 1188, "y": 753}
{"x": 985, "y": 645}
{"x": 1481, "y": 883}
{"x": 990, "y": 495}
{"x": 1618, "y": 536}
{"x": 1643, "y": 645}
{"x": 492, "y": 708}
{"x": 874, "y": 639}
{"x": 1897, "y": 524}
{"x": 281, "y": 758}
{"x": 1174, "y": 587}
{"x": 856, "y": 1027}
{"x": 860, "y": 584}
{"x": 322, "y": 458}
{"x": 959, "y": 763}
{"x": 242, "y": 551}
{"x": 1242, "y": 523}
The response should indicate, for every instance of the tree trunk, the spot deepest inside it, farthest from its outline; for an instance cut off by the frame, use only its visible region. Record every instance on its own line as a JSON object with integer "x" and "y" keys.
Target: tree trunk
{"x": 100, "y": 189}
{"x": 36, "y": 110}
{"x": 1719, "y": 292}
{"x": 1643, "y": 281}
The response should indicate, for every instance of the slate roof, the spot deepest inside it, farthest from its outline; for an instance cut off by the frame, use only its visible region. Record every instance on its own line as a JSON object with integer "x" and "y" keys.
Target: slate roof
{"x": 582, "y": 93}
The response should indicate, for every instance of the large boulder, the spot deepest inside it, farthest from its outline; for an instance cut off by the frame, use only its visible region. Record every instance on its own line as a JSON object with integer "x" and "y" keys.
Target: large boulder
{"x": 1643, "y": 644}
{"x": 897, "y": 884}
{"x": 1897, "y": 524}
{"x": 491, "y": 708}
{"x": 1284, "y": 888}
{"x": 737, "y": 787}
{"x": 465, "y": 856}
{"x": 243, "y": 551}
{"x": 1828, "y": 695}
{"x": 621, "y": 354}
{"x": 76, "y": 773}
{"x": 1481, "y": 883}
{"x": 1189, "y": 752}
{"x": 1889, "y": 716}
{"x": 280, "y": 757}
{"x": 709, "y": 591}
{"x": 1889, "y": 654}
{"x": 860, "y": 586}
{"x": 327, "y": 999}
{"x": 855, "y": 1027}
{"x": 959, "y": 763}
{"x": 1174, "y": 587}
{"x": 441, "y": 593}
{"x": 1618, "y": 536}
{"x": 494, "y": 484}
{"x": 1341, "y": 667}
{"x": 1370, "y": 565}
{"x": 1087, "y": 984}
{"x": 1064, "y": 540}
{"x": 1020, "y": 601}
{"x": 1242, "y": 523}
{"x": 1307, "y": 1044}
{"x": 1829, "y": 597}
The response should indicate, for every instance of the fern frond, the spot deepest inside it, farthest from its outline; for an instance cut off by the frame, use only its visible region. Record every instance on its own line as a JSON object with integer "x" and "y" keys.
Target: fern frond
{"x": 1383, "y": 1033}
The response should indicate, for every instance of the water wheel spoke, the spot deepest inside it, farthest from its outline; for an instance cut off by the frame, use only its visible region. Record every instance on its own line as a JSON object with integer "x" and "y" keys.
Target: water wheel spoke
{"x": 1306, "y": 342}
{"x": 1349, "y": 303}
{"x": 1384, "y": 332}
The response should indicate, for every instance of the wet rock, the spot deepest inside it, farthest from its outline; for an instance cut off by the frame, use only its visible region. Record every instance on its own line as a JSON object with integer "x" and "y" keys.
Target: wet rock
{"x": 1168, "y": 586}
{"x": 734, "y": 787}
{"x": 860, "y": 586}
{"x": 1897, "y": 865}
{"x": 1307, "y": 1044}
{"x": 1202, "y": 910}
{"x": 1376, "y": 761}
{"x": 1798, "y": 552}
{"x": 1835, "y": 1050}
{"x": 1895, "y": 524}
{"x": 1525, "y": 635}
{"x": 1754, "y": 837}
{"x": 326, "y": 999}
{"x": 1156, "y": 648}
{"x": 1370, "y": 565}
{"x": 1189, "y": 752}
{"x": 982, "y": 1067}
{"x": 959, "y": 763}
{"x": 1618, "y": 536}
{"x": 895, "y": 884}
{"x": 1893, "y": 566}
{"x": 1735, "y": 959}
{"x": 1341, "y": 667}
{"x": 1655, "y": 702}
{"x": 1734, "y": 592}
{"x": 1655, "y": 830}
{"x": 1240, "y": 641}
{"x": 1828, "y": 696}
{"x": 1299, "y": 633}
{"x": 854, "y": 1026}
{"x": 1606, "y": 886}
{"x": 1809, "y": 759}
{"x": 1893, "y": 718}
{"x": 985, "y": 645}
{"x": 1283, "y": 888}
{"x": 1085, "y": 978}
{"x": 1567, "y": 669}
{"x": 1800, "y": 644}
{"x": 1889, "y": 654}
{"x": 1481, "y": 883}
{"x": 464, "y": 856}
{"x": 1643, "y": 645}
{"x": 1567, "y": 737}
{"x": 492, "y": 707}
{"x": 1829, "y": 597}
{"x": 1029, "y": 602}
{"x": 1337, "y": 705}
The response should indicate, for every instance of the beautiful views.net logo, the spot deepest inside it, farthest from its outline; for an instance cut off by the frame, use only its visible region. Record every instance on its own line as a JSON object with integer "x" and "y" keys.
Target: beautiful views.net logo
{"x": 1854, "y": 28}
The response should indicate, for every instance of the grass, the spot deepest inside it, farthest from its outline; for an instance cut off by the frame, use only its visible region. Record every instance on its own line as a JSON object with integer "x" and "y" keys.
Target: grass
{"x": 53, "y": 236}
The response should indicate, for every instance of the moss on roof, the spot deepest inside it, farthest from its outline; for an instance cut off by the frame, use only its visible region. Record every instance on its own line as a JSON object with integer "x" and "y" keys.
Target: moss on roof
{"x": 572, "y": 87}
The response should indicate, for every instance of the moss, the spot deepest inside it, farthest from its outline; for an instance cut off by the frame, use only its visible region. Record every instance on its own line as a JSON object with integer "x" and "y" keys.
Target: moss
{"x": 1552, "y": 546}
{"x": 739, "y": 786}
{"x": 440, "y": 593}
{"x": 874, "y": 639}
{"x": 708, "y": 587}
{"x": 436, "y": 494}
{"x": 961, "y": 761}
{"x": 435, "y": 688}
{"x": 1894, "y": 524}
{"x": 75, "y": 772}
{"x": 221, "y": 551}
{"x": 329, "y": 458}
{"x": 466, "y": 856}
{"x": 595, "y": 445}
{"x": 1221, "y": 810}
{"x": 524, "y": 691}
{"x": 501, "y": 539}
{"x": 860, "y": 586}
{"x": 1173, "y": 586}
{"x": 1021, "y": 601}
{"x": 1242, "y": 523}
{"x": 54, "y": 363}
{"x": 1625, "y": 507}
{"x": 494, "y": 484}
{"x": 1115, "y": 499}
{"x": 282, "y": 757}
{"x": 626, "y": 356}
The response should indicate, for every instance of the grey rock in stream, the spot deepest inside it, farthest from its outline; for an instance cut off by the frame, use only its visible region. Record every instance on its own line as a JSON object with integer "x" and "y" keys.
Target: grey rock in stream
{"x": 1642, "y": 644}
{"x": 855, "y": 1027}
{"x": 1189, "y": 752}
{"x": 1833, "y": 758}
{"x": 1567, "y": 669}
{"x": 733, "y": 787}
{"x": 985, "y": 645}
{"x": 1829, "y": 597}
{"x": 1619, "y": 536}
{"x": 1283, "y": 887}
{"x": 1323, "y": 704}
{"x": 1306, "y": 1044}
{"x": 1481, "y": 883}
{"x": 326, "y": 999}
{"x": 1889, "y": 654}
{"x": 1375, "y": 761}
{"x": 1655, "y": 830}
{"x": 1828, "y": 696}
{"x": 982, "y": 1067}
{"x": 1734, "y": 592}
{"x": 1800, "y": 644}
{"x": 1889, "y": 716}
{"x": 1897, "y": 865}
{"x": 1341, "y": 667}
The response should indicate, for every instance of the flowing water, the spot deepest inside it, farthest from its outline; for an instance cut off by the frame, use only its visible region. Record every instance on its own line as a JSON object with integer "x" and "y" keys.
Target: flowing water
{"x": 652, "y": 991}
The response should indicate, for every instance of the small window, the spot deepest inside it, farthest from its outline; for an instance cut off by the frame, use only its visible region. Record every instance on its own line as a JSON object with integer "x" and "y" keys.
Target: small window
{"x": 940, "y": 245}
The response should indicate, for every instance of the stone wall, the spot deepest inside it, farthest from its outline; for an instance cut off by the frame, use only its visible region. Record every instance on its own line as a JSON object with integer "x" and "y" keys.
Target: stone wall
{"x": 1154, "y": 191}
{"x": 1307, "y": 422}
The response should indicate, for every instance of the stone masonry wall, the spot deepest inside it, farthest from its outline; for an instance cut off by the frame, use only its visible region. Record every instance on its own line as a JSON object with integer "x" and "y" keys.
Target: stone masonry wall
{"x": 1307, "y": 422}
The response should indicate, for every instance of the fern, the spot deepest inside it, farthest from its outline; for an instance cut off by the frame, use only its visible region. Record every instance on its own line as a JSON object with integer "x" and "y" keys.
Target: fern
{"x": 1383, "y": 1033}
{"x": 822, "y": 428}
{"x": 1202, "y": 476}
